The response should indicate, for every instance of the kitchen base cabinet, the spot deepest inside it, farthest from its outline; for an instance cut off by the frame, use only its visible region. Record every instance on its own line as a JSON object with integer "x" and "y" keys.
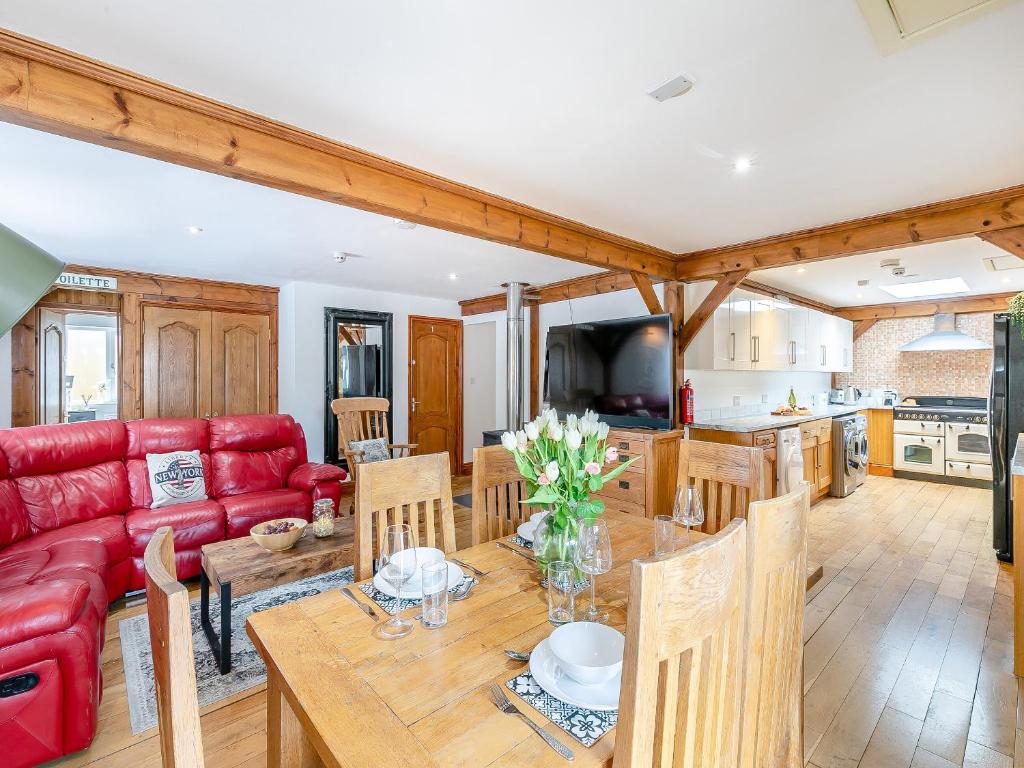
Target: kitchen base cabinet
{"x": 880, "y": 430}
{"x": 816, "y": 445}
{"x": 766, "y": 440}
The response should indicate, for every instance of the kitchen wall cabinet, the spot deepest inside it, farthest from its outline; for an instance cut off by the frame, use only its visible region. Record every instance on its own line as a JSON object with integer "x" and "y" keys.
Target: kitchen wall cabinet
{"x": 754, "y": 332}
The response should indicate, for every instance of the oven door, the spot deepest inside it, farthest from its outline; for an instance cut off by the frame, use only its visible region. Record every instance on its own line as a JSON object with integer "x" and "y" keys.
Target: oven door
{"x": 919, "y": 453}
{"x": 968, "y": 443}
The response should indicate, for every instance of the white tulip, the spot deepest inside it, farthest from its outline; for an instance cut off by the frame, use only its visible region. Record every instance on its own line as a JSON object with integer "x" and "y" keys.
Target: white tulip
{"x": 555, "y": 431}
{"x": 587, "y": 428}
{"x": 590, "y": 416}
{"x": 508, "y": 441}
{"x": 552, "y": 416}
{"x": 573, "y": 438}
{"x": 532, "y": 431}
{"x": 551, "y": 470}
{"x": 602, "y": 431}
{"x": 521, "y": 440}
{"x": 571, "y": 421}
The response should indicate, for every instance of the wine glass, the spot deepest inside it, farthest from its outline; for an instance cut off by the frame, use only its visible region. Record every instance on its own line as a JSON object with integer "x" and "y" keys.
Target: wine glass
{"x": 397, "y": 565}
{"x": 688, "y": 508}
{"x": 593, "y": 557}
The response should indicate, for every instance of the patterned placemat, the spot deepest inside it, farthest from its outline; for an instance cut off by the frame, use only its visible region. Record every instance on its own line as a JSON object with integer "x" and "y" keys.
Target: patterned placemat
{"x": 519, "y": 541}
{"x": 393, "y": 605}
{"x": 584, "y": 725}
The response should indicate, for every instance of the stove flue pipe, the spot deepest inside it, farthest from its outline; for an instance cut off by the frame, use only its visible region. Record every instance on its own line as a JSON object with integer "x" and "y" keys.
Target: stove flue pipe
{"x": 514, "y": 308}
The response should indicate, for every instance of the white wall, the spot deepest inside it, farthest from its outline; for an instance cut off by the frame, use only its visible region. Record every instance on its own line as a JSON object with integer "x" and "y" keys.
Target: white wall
{"x": 479, "y": 384}
{"x": 5, "y": 381}
{"x": 302, "y": 342}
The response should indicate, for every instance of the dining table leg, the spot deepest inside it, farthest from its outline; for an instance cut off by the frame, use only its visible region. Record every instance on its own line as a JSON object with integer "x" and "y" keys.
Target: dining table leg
{"x": 287, "y": 745}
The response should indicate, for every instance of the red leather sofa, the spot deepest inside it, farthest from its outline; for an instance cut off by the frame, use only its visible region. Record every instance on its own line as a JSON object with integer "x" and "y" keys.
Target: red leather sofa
{"x": 75, "y": 519}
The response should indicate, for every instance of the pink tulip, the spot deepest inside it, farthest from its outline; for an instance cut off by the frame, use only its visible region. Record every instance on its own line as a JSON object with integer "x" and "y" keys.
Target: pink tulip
{"x": 542, "y": 479}
{"x": 611, "y": 455}
{"x": 592, "y": 468}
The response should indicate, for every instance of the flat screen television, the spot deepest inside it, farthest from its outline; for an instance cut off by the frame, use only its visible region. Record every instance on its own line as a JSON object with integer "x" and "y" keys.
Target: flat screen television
{"x": 622, "y": 369}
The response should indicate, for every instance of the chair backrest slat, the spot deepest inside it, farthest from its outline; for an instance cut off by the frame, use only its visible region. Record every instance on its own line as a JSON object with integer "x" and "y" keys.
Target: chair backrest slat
{"x": 360, "y": 418}
{"x": 680, "y": 700}
{"x": 729, "y": 478}
{"x": 170, "y": 635}
{"x": 404, "y": 486}
{"x": 777, "y": 582}
{"x": 498, "y": 490}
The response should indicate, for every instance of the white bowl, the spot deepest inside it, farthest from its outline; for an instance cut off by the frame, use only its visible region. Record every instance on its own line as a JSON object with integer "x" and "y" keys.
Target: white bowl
{"x": 587, "y": 652}
{"x": 536, "y": 517}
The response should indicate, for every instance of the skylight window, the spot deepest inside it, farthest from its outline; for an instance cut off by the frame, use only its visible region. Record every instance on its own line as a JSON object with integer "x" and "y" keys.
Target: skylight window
{"x": 922, "y": 288}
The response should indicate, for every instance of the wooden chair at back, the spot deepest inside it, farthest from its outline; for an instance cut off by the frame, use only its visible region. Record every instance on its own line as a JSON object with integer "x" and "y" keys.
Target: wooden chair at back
{"x": 682, "y": 669}
{"x": 411, "y": 490}
{"x": 170, "y": 634}
{"x": 365, "y": 418}
{"x": 776, "y": 588}
{"x": 497, "y": 490}
{"x": 729, "y": 478}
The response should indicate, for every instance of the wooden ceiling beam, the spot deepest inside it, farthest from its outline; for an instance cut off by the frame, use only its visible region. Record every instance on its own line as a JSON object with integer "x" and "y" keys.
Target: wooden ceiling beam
{"x": 53, "y": 90}
{"x": 575, "y": 288}
{"x": 975, "y": 215}
{"x": 792, "y": 298}
{"x": 1010, "y": 240}
{"x": 646, "y": 288}
{"x": 993, "y": 302}
{"x": 862, "y": 326}
{"x": 707, "y": 308}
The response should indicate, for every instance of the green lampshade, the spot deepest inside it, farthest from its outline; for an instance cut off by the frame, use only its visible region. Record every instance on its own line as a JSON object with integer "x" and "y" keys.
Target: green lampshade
{"x": 27, "y": 272}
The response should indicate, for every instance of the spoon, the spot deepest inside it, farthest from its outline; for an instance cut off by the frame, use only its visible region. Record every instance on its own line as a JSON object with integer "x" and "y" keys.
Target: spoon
{"x": 517, "y": 655}
{"x": 463, "y": 592}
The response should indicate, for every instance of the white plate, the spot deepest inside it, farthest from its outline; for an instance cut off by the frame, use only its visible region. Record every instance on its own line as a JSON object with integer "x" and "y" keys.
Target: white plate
{"x": 526, "y": 530}
{"x": 601, "y": 698}
{"x": 413, "y": 588}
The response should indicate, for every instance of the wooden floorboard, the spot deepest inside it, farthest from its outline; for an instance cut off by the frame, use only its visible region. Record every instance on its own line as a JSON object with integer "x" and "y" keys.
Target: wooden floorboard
{"x": 908, "y": 655}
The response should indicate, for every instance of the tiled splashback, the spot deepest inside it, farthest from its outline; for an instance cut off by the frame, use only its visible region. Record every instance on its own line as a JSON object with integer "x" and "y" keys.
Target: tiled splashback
{"x": 877, "y": 363}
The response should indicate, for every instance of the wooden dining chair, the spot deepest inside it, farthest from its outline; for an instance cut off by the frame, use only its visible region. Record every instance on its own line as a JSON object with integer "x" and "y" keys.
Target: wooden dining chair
{"x": 776, "y": 591}
{"x": 682, "y": 671}
{"x": 365, "y": 418}
{"x": 498, "y": 489}
{"x": 170, "y": 635}
{"x": 729, "y": 478}
{"x": 409, "y": 490}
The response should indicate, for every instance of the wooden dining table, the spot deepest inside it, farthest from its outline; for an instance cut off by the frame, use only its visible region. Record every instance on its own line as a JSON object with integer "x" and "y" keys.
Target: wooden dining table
{"x": 339, "y": 696}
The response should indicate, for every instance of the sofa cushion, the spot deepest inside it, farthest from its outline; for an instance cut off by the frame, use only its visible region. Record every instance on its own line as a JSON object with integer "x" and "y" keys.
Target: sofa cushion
{"x": 251, "y": 433}
{"x": 248, "y": 509}
{"x": 57, "y": 448}
{"x": 66, "y": 498}
{"x": 33, "y": 610}
{"x": 14, "y": 522}
{"x": 163, "y": 436}
{"x": 193, "y": 524}
{"x": 108, "y": 531}
{"x": 176, "y": 478}
{"x": 237, "y": 472}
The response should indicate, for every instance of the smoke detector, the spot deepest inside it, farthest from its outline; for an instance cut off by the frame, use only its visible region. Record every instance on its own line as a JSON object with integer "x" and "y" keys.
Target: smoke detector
{"x": 895, "y": 268}
{"x": 340, "y": 257}
{"x": 674, "y": 86}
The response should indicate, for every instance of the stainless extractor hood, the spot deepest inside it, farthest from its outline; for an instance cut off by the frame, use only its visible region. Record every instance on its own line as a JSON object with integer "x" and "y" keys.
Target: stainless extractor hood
{"x": 944, "y": 338}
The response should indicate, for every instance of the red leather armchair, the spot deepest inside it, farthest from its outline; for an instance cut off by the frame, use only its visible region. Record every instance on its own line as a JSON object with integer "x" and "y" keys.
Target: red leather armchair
{"x": 75, "y": 518}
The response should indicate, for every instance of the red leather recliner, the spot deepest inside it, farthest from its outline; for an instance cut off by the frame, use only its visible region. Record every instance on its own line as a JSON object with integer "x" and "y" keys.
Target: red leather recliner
{"x": 75, "y": 519}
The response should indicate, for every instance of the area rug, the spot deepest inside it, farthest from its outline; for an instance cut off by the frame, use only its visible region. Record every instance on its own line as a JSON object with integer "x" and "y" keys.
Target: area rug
{"x": 247, "y": 670}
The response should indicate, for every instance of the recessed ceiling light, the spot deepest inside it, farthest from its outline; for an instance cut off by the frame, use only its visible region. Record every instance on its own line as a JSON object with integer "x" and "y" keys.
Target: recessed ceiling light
{"x": 194, "y": 230}
{"x": 742, "y": 164}
{"x": 1006, "y": 279}
{"x": 453, "y": 276}
{"x": 801, "y": 270}
{"x": 926, "y": 288}
{"x": 403, "y": 224}
{"x": 860, "y": 295}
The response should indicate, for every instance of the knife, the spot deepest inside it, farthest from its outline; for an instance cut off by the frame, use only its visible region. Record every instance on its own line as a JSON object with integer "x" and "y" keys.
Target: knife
{"x": 468, "y": 567}
{"x": 361, "y": 605}
{"x": 519, "y": 552}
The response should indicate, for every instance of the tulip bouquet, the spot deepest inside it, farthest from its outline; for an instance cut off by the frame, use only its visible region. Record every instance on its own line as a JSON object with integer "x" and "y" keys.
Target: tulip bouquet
{"x": 563, "y": 464}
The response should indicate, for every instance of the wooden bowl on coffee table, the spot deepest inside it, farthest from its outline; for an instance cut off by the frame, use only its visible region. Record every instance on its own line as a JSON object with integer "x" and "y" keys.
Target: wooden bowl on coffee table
{"x": 278, "y": 542}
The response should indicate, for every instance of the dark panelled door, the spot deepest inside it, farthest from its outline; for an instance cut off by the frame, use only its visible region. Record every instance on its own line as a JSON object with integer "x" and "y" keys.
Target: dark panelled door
{"x": 435, "y": 397}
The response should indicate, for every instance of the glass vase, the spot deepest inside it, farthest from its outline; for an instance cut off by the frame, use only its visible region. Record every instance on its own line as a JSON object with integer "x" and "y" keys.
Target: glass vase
{"x": 555, "y": 539}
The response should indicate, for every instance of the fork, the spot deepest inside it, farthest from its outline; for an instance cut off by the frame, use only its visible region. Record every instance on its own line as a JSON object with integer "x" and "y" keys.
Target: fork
{"x": 468, "y": 567}
{"x": 501, "y": 701}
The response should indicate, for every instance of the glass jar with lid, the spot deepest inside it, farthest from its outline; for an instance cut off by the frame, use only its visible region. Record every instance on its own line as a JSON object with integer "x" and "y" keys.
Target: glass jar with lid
{"x": 323, "y": 518}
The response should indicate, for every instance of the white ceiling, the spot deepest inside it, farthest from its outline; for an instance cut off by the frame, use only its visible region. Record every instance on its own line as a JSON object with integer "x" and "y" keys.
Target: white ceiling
{"x": 102, "y": 207}
{"x": 544, "y": 102}
{"x": 835, "y": 282}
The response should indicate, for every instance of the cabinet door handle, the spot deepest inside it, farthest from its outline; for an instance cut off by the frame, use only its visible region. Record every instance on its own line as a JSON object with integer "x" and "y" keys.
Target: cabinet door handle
{"x": 732, "y": 340}
{"x": 623, "y": 445}
{"x": 624, "y": 485}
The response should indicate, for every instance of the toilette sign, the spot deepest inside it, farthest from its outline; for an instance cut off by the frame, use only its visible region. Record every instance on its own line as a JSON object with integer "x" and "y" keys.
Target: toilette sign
{"x": 87, "y": 282}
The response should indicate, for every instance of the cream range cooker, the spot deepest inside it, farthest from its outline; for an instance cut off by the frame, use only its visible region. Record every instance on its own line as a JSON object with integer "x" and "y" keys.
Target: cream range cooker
{"x": 943, "y": 436}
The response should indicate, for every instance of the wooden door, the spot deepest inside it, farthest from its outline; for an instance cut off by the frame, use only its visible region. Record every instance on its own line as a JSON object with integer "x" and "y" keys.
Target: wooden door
{"x": 809, "y": 448}
{"x": 52, "y": 347}
{"x": 824, "y": 462}
{"x": 176, "y": 380}
{"x": 435, "y": 393}
{"x": 240, "y": 363}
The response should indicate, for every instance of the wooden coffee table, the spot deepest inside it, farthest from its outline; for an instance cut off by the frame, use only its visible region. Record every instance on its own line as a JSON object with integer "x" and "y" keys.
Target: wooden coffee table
{"x": 241, "y": 566}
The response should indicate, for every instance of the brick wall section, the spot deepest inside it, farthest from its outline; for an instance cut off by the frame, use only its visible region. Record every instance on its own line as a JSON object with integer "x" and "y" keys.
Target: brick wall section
{"x": 877, "y": 364}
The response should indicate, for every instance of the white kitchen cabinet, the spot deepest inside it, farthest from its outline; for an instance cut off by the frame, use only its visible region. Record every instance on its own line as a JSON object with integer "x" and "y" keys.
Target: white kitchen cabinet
{"x": 754, "y": 332}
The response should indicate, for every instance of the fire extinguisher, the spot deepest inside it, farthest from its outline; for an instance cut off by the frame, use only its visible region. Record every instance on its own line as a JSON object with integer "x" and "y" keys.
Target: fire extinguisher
{"x": 687, "y": 397}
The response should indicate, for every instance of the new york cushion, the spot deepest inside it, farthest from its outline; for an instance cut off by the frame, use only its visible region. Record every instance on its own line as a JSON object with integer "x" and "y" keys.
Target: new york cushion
{"x": 175, "y": 478}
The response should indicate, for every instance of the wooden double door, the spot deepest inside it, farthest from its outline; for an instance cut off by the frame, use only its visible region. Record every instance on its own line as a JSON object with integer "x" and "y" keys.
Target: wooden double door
{"x": 199, "y": 363}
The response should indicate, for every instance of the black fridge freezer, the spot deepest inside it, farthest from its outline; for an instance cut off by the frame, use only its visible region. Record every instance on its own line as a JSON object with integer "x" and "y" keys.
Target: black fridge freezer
{"x": 1006, "y": 421}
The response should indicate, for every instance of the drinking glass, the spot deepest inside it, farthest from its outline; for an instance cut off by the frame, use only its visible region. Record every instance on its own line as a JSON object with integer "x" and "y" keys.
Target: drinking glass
{"x": 593, "y": 557}
{"x": 397, "y": 565}
{"x": 664, "y": 535}
{"x": 435, "y": 594}
{"x": 688, "y": 508}
{"x": 561, "y": 591}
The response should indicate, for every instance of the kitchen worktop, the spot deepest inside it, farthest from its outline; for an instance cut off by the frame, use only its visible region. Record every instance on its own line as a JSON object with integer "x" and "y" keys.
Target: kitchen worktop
{"x": 767, "y": 421}
{"x": 1017, "y": 462}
